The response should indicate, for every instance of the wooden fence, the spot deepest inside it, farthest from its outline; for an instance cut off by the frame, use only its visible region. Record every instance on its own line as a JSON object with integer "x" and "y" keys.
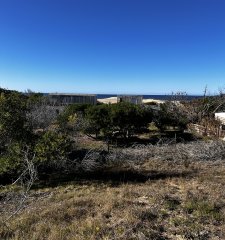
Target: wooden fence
{"x": 212, "y": 131}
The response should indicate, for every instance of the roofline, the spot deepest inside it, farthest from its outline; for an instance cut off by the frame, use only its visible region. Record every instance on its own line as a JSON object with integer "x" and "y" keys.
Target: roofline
{"x": 127, "y": 95}
{"x": 71, "y": 94}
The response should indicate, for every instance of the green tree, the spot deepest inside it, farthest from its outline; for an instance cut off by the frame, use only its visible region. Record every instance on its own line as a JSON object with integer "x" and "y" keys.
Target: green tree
{"x": 13, "y": 122}
{"x": 171, "y": 115}
{"x": 129, "y": 118}
{"x": 125, "y": 118}
{"x": 98, "y": 117}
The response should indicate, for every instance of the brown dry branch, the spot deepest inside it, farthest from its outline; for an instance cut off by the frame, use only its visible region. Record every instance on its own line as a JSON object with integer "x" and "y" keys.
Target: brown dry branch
{"x": 25, "y": 181}
{"x": 42, "y": 115}
{"x": 170, "y": 206}
{"x": 134, "y": 157}
{"x": 91, "y": 161}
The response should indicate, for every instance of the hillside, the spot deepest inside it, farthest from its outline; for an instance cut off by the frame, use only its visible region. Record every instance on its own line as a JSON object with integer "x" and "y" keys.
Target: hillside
{"x": 163, "y": 200}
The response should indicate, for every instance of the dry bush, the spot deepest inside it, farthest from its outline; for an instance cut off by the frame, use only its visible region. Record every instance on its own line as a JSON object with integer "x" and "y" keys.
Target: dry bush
{"x": 12, "y": 202}
{"x": 194, "y": 151}
{"x": 171, "y": 207}
{"x": 91, "y": 161}
{"x": 42, "y": 115}
{"x": 134, "y": 157}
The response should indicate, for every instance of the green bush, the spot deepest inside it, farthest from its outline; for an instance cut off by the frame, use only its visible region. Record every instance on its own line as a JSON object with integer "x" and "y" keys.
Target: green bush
{"x": 52, "y": 148}
{"x": 126, "y": 118}
{"x": 171, "y": 115}
{"x": 99, "y": 119}
{"x": 129, "y": 118}
{"x": 13, "y": 122}
{"x": 71, "y": 112}
{"x": 11, "y": 162}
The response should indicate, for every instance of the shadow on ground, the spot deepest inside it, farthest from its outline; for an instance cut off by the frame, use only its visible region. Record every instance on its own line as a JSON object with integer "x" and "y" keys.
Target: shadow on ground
{"x": 112, "y": 178}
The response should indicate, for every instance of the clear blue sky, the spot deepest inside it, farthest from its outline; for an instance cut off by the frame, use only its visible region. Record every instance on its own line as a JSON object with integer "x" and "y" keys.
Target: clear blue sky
{"x": 112, "y": 46}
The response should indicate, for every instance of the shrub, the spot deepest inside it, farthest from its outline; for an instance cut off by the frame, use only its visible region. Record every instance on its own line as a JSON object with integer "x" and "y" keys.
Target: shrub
{"x": 13, "y": 122}
{"x": 52, "y": 148}
{"x": 11, "y": 162}
{"x": 70, "y": 115}
{"x": 125, "y": 118}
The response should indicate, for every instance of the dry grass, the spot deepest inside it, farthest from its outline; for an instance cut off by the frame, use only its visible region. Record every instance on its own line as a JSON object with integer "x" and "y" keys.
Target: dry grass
{"x": 176, "y": 202}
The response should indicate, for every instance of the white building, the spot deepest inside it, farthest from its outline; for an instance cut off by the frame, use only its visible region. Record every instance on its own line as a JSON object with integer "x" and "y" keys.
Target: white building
{"x": 221, "y": 117}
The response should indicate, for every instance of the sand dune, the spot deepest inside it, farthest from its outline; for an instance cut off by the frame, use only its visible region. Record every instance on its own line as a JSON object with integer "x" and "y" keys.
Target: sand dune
{"x": 113, "y": 100}
{"x": 153, "y": 100}
{"x": 108, "y": 100}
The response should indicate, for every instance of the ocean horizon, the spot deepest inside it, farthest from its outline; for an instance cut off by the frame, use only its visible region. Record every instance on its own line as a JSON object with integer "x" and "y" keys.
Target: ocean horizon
{"x": 145, "y": 96}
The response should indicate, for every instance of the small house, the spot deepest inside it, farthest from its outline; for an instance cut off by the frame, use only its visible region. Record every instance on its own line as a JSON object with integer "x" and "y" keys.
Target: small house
{"x": 60, "y": 99}
{"x": 221, "y": 117}
{"x": 135, "y": 99}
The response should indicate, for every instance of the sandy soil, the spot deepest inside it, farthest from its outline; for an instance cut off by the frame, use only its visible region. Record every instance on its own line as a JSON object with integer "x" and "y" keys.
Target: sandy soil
{"x": 152, "y": 100}
{"x": 108, "y": 100}
{"x": 114, "y": 100}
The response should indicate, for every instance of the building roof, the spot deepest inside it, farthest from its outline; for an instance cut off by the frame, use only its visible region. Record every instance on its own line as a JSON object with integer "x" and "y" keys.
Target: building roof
{"x": 72, "y": 94}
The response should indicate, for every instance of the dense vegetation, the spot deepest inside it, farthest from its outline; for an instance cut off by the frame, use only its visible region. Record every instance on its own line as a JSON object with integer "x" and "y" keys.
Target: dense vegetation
{"x": 28, "y": 122}
{"x": 43, "y": 145}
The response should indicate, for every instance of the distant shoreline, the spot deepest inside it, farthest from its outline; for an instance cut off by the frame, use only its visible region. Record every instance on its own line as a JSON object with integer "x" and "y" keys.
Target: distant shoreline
{"x": 114, "y": 100}
{"x": 155, "y": 97}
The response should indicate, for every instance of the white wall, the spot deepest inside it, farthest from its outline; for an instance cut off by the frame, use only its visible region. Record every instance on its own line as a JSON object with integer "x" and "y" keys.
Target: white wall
{"x": 220, "y": 116}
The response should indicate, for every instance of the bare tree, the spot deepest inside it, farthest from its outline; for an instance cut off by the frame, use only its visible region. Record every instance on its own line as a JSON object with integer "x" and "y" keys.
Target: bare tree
{"x": 42, "y": 115}
{"x": 12, "y": 203}
{"x": 208, "y": 105}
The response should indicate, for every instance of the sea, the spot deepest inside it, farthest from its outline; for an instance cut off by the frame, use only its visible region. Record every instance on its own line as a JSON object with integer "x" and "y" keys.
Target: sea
{"x": 153, "y": 96}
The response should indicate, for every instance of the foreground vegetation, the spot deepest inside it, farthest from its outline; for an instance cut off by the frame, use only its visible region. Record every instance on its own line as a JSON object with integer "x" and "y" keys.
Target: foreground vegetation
{"x": 173, "y": 202}
{"x": 118, "y": 171}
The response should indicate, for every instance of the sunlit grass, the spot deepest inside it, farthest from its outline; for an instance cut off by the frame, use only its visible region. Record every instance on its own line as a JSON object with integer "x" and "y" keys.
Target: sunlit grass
{"x": 173, "y": 207}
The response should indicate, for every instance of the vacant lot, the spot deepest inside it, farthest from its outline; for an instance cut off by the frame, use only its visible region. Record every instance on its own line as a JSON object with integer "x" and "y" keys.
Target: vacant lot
{"x": 163, "y": 200}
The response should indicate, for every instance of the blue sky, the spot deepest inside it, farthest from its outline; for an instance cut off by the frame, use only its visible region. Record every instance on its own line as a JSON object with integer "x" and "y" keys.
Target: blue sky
{"x": 112, "y": 46}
